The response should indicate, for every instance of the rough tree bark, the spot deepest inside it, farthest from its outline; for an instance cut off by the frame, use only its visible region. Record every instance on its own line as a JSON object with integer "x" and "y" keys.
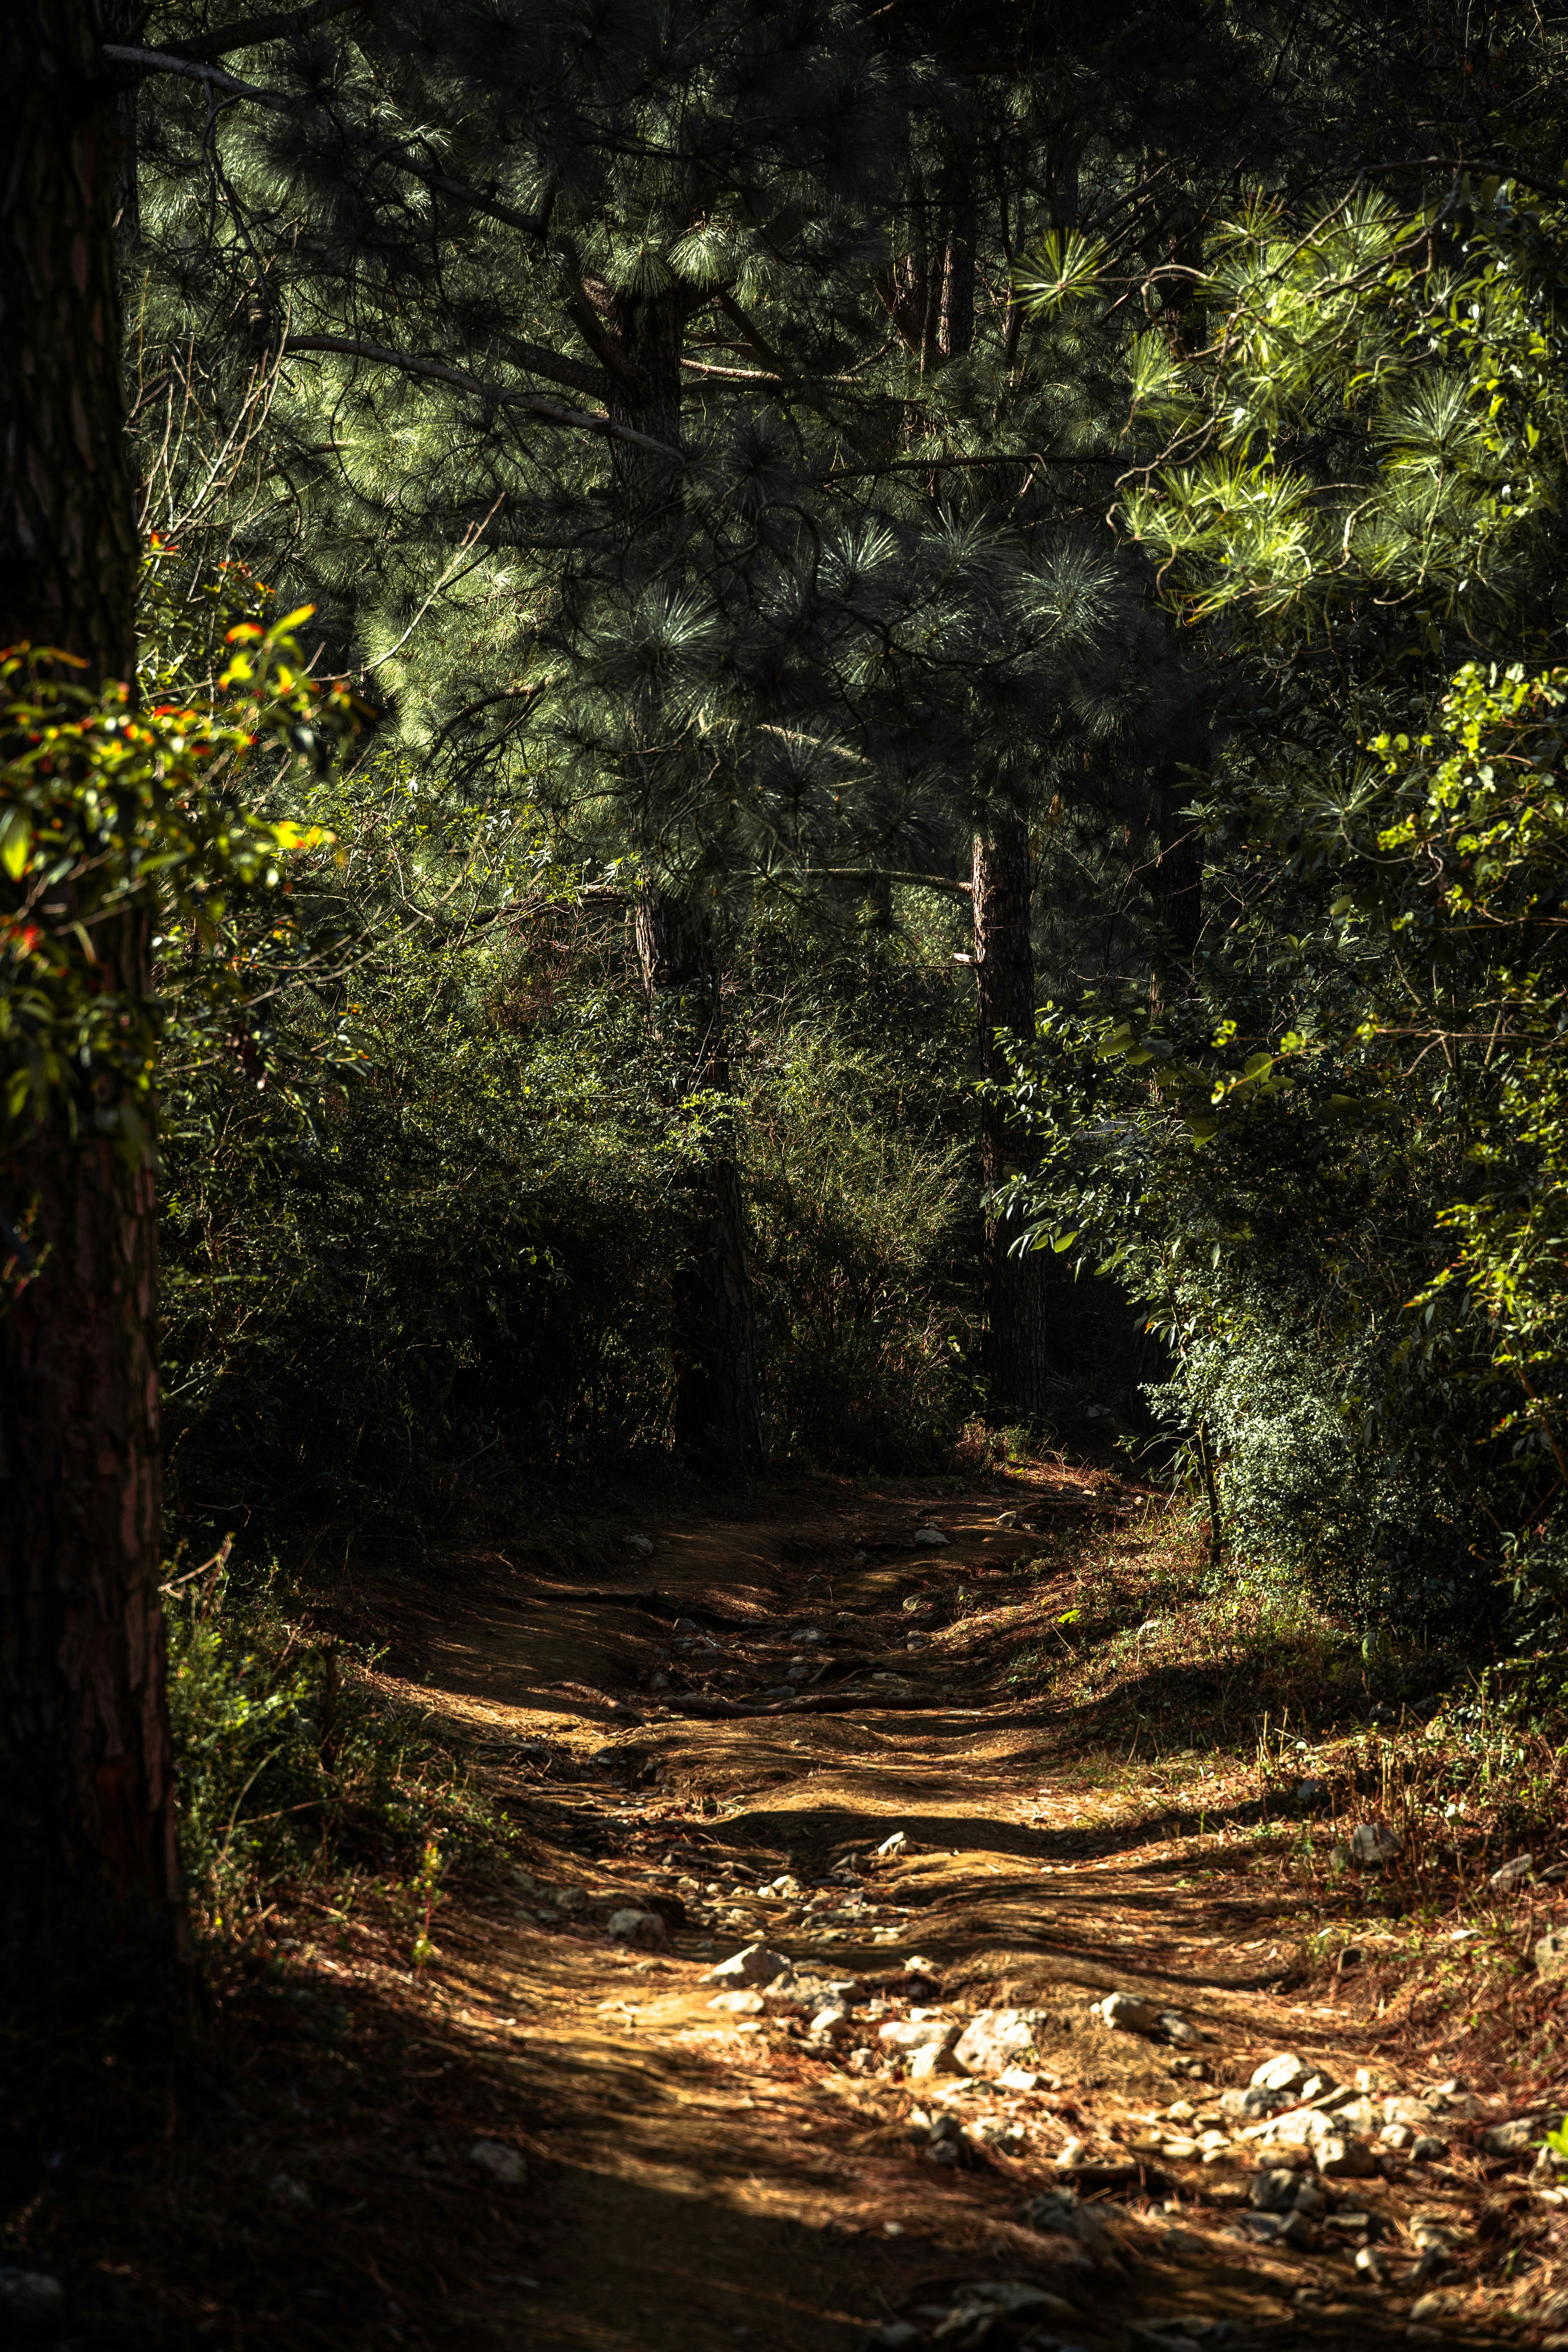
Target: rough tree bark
{"x": 718, "y": 1419}
{"x": 1014, "y": 1288}
{"x": 87, "y": 1800}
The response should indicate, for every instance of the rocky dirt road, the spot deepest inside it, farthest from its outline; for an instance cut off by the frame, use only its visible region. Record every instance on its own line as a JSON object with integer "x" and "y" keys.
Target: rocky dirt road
{"x": 796, "y": 1992}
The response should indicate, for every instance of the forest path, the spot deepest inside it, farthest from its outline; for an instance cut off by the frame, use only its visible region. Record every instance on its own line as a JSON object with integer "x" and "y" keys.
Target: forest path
{"x": 708, "y": 2178}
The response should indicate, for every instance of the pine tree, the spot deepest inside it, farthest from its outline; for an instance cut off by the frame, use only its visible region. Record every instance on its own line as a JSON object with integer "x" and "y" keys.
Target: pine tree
{"x": 93, "y": 1879}
{"x": 682, "y": 353}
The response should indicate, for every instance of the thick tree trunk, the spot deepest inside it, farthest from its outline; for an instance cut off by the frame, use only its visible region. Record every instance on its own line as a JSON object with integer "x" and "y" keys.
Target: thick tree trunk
{"x": 87, "y": 1801}
{"x": 67, "y": 536}
{"x": 718, "y": 1418}
{"x": 1016, "y": 1291}
{"x": 650, "y": 337}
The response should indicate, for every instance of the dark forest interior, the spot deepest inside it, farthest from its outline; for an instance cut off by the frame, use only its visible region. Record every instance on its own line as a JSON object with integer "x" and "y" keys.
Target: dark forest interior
{"x": 784, "y": 1174}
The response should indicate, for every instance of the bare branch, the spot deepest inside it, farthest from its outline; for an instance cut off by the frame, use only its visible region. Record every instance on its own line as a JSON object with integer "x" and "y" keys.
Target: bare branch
{"x": 753, "y": 335}
{"x": 280, "y": 26}
{"x": 191, "y": 70}
{"x": 559, "y": 369}
{"x": 880, "y": 874}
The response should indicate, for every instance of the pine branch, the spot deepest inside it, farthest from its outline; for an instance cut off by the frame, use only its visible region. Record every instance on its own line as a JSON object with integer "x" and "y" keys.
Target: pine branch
{"x": 604, "y": 346}
{"x": 880, "y": 874}
{"x": 280, "y": 26}
{"x": 558, "y": 369}
{"x": 753, "y": 335}
{"x": 169, "y": 62}
{"x": 580, "y": 420}
{"x": 936, "y": 465}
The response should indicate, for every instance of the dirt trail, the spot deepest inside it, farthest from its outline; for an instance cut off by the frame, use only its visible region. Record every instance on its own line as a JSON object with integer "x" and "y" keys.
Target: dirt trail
{"x": 703, "y": 2177}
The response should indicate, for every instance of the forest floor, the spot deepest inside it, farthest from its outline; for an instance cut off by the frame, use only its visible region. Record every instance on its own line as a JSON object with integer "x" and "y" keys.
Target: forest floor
{"x": 560, "y": 2132}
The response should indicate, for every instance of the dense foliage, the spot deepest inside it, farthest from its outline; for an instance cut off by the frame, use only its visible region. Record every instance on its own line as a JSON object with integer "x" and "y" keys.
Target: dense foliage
{"x": 742, "y": 460}
{"x": 1327, "y": 1153}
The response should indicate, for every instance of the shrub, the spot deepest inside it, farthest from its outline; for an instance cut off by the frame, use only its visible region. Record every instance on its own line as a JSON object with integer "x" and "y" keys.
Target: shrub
{"x": 292, "y": 1761}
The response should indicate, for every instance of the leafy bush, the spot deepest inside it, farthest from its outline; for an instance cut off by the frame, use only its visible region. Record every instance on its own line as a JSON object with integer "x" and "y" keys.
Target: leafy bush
{"x": 423, "y": 1219}
{"x": 860, "y": 1201}
{"x": 1329, "y": 1157}
{"x": 290, "y": 1759}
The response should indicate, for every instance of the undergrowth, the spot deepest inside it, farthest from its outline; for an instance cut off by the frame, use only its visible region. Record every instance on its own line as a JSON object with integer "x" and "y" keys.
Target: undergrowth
{"x": 1302, "y": 1732}
{"x": 296, "y": 1766}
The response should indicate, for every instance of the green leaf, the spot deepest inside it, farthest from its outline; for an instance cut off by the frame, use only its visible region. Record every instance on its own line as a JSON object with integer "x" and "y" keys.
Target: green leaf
{"x": 16, "y": 840}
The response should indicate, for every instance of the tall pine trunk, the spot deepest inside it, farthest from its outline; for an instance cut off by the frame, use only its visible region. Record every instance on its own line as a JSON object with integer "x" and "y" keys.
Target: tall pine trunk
{"x": 718, "y": 1419}
{"x": 87, "y": 1798}
{"x": 1015, "y": 1294}
{"x": 718, "y": 1416}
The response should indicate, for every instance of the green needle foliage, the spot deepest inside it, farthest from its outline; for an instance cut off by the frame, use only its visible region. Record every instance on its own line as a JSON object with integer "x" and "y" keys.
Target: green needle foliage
{"x": 1331, "y": 1163}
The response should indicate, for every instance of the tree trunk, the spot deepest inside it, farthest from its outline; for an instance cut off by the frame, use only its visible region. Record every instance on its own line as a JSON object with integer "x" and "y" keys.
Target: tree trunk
{"x": 718, "y": 1417}
{"x": 68, "y": 534}
{"x": 122, "y": 21}
{"x": 87, "y": 1800}
{"x": 1176, "y": 878}
{"x": 1014, "y": 1288}
{"x": 650, "y": 336}
{"x": 955, "y": 321}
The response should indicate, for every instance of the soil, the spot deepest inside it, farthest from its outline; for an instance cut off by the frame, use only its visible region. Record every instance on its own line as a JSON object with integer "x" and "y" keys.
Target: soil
{"x": 700, "y": 2179}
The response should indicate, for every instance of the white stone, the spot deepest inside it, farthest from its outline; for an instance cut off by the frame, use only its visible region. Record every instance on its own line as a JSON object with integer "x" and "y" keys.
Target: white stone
{"x": 738, "y": 2004}
{"x": 891, "y": 1847}
{"x": 1018, "y": 2078}
{"x": 918, "y": 2033}
{"x": 1373, "y": 1844}
{"x": 931, "y": 1539}
{"x": 754, "y": 1965}
{"x": 1179, "y": 2028}
{"x": 1339, "y": 2159}
{"x": 997, "y": 2038}
{"x": 1281, "y": 2075}
{"x": 1511, "y": 1872}
{"x": 502, "y": 2163}
{"x": 932, "y": 2058}
{"x": 1512, "y": 2139}
{"x": 641, "y": 1545}
{"x": 1125, "y": 2013}
{"x": 644, "y": 1927}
